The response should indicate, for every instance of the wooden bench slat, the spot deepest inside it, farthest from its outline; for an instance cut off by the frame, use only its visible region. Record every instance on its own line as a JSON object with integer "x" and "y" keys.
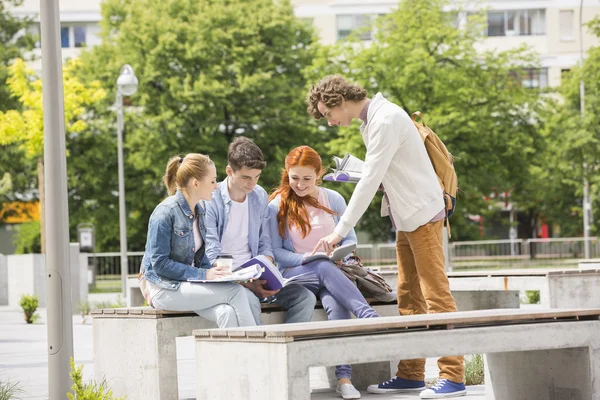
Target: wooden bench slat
{"x": 149, "y": 312}
{"x": 356, "y": 326}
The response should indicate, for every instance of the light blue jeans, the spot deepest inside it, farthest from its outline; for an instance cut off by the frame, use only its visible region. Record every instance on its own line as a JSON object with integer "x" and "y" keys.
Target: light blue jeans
{"x": 224, "y": 303}
{"x": 296, "y": 299}
{"x": 339, "y": 296}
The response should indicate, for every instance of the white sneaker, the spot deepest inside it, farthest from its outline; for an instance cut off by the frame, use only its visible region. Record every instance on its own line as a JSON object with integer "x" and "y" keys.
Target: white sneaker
{"x": 348, "y": 391}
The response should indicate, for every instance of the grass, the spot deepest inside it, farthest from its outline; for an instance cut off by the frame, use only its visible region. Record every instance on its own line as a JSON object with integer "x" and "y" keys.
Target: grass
{"x": 10, "y": 390}
{"x": 474, "y": 374}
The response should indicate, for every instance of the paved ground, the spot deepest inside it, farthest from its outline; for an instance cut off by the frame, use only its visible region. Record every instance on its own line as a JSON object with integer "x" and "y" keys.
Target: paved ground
{"x": 24, "y": 359}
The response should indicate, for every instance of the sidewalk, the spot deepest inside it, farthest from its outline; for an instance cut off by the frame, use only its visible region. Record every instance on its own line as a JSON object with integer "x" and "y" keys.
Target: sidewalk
{"x": 24, "y": 359}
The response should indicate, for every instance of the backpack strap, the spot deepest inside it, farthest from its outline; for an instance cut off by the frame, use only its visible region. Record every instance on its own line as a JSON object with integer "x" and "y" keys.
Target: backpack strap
{"x": 420, "y": 115}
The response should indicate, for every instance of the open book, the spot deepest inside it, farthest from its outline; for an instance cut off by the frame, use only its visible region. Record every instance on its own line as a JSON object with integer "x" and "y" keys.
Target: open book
{"x": 271, "y": 274}
{"x": 245, "y": 275}
{"x": 347, "y": 169}
{"x": 337, "y": 255}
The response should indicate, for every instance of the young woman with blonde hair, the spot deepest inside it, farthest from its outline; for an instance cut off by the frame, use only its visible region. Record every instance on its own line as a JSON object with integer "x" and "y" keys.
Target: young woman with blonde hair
{"x": 175, "y": 250}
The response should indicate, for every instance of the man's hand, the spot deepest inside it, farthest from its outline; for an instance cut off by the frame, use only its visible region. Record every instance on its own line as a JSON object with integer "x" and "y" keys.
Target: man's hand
{"x": 257, "y": 287}
{"x": 217, "y": 272}
{"x": 328, "y": 243}
{"x": 270, "y": 259}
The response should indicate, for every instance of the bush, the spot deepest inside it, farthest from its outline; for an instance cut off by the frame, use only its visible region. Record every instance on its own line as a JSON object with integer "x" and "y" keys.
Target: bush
{"x": 474, "y": 374}
{"x": 88, "y": 391}
{"x": 29, "y": 304}
{"x": 9, "y": 390}
{"x": 28, "y": 238}
{"x": 533, "y": 296}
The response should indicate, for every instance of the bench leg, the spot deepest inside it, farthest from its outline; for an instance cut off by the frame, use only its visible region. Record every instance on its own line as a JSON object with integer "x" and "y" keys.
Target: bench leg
{"x": 542, "y": 374}
{"x": 249, "y": 371}
{"x": 136, "y": 360}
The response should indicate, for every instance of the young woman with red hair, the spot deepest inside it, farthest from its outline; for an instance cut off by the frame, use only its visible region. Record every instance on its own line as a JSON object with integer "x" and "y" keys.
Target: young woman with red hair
{"x": 302, "y": 212}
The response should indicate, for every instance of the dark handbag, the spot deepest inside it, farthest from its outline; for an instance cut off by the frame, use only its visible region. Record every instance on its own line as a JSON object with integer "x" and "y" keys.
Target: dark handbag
{"x": 370, "y": 283}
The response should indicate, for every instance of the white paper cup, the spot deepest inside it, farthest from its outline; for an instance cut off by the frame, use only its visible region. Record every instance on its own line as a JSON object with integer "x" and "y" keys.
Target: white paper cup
{"x": 225, "y": 261}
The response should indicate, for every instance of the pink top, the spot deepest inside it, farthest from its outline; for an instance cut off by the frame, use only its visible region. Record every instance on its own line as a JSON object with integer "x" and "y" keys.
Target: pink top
{"x": 322, "y": 224}
{"x": 197, "y": 235}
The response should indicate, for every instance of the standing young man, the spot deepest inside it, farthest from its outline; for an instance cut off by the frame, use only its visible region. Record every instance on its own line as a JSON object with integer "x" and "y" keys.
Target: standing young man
{"x": 237, "y": 223}
{"x": 396, "y": 157}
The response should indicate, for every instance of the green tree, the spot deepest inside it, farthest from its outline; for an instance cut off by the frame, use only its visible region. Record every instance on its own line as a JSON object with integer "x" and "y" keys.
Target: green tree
{"x": 472, "y": 99}
{"x": 573, "y": 146}
{"x": 208, "y": 71}
{"x": 13, "y": 44}
{"x": 26, "y": 127}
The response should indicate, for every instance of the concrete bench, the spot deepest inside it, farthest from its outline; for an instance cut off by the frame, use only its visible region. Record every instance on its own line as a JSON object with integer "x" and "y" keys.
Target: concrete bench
{"x": 142, "y": 361}
{"x": 546, "y": 354}
{"x": 590, "y": 263}
{"x": 135, "y": 348}
{"x": 570, "y": 288}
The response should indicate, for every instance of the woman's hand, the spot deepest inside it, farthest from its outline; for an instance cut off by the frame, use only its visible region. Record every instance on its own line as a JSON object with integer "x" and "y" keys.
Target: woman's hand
{"x": 217, "y": 272}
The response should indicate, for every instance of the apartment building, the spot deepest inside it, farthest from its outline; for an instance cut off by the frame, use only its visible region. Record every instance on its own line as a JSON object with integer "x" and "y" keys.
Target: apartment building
{"x": 550, "y": 27}
{"x": 79, "y": 27}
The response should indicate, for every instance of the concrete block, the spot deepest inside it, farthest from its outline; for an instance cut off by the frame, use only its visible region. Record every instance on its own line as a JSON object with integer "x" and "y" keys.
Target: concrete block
{"x": 76, "y": 293}
{"x": 134, "y": 295}
{"x": 3, "y": 281}
{"x": 83, "y": 277}
{"x": 26, "y": 275}
{"x": 543, "y": 374}
{"x": 575, "y": 290}
{"x": 467, "y": 300}
{"x": 142, "y": 363}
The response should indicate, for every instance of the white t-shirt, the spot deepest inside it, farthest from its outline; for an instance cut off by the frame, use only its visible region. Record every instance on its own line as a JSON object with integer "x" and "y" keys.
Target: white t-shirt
{"x": 235, "y": 236}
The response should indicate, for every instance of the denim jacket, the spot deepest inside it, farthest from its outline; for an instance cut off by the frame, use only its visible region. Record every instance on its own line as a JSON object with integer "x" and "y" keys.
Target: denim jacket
{"x": 217, "y": 216}
{"x": 169, "y": 258}
{"x": 285, "y": 255}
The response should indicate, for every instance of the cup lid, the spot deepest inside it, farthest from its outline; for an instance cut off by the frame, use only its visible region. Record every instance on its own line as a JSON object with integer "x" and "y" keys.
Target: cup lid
{"x": 225, "y": 256}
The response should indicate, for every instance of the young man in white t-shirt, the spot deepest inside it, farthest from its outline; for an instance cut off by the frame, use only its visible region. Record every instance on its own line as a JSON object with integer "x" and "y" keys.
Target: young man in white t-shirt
{"x": 397, "y": 159}
{"x": 237, "y": 223}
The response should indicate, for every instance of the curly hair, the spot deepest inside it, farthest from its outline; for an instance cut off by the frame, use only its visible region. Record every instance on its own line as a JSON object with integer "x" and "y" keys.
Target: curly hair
{"x": 331, "y": 90}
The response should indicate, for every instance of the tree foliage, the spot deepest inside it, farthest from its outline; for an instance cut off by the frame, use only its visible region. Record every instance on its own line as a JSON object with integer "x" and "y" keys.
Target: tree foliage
{"x": 208, "y": 71}
{"x": 472, "y": 99}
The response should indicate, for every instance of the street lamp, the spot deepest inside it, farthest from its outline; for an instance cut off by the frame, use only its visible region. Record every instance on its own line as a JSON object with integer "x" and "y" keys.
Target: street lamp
{"x": 587, "y": 204}
{"x": 127, "y": 85}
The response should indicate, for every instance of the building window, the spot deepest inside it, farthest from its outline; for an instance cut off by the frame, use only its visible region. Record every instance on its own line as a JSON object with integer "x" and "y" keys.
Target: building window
{"x": 566, "y": 25}
{"x": 534, "y": 78}
{"x": 64, "y": 37}
{"x": 516, "y": 23}
{"x": 348, "y": 23}
{"x": 79, "y": 36}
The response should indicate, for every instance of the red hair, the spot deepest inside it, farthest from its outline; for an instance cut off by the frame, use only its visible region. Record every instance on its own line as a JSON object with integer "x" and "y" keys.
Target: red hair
{"x": 292, "y": 208}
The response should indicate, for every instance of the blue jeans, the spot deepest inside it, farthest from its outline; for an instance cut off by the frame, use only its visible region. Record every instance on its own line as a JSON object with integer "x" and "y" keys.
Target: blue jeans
{"x": 339, "y": 296}
{"x": 297, "y": 300}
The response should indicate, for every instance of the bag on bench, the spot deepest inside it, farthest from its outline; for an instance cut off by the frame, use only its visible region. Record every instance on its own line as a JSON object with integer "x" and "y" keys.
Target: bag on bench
{"x": 368, "y": 282}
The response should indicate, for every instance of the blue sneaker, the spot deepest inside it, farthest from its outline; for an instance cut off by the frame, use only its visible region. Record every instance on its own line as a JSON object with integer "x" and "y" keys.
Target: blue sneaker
{"x": 444, "y": 388}
{"x": 397, "y": 385}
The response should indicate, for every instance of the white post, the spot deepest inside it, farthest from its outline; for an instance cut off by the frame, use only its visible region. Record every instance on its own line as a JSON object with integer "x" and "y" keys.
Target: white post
{"x": 122, "y": 211}
{"x": 587, "y": 204}
{"x": 60, "y": 329}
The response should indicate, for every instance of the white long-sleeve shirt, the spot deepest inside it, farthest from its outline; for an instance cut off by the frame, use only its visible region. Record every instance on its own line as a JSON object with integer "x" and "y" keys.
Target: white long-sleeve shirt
{"x": 396, "y": 157}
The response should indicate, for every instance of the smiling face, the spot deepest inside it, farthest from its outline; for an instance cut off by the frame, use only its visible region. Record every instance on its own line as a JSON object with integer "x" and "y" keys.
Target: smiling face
{"x": 243, "y": 180}
{"x": 338, "y": 115}
{"x": 202, "y": 189}
{"x": 303, "y": 181}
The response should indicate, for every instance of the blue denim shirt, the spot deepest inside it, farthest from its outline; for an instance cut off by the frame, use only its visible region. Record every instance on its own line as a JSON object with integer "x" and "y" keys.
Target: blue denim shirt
{"x": 169, "y": 256}
{"x": 217, "y": 217}
{"x": 285, "y": 255}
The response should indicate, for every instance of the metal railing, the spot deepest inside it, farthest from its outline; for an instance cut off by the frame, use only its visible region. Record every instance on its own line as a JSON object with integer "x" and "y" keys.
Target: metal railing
{"x": 479, "y": 254}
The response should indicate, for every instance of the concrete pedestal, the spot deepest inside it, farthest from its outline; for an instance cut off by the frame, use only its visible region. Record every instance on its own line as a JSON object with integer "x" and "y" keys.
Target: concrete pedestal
{"x": 3, "y": 281}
